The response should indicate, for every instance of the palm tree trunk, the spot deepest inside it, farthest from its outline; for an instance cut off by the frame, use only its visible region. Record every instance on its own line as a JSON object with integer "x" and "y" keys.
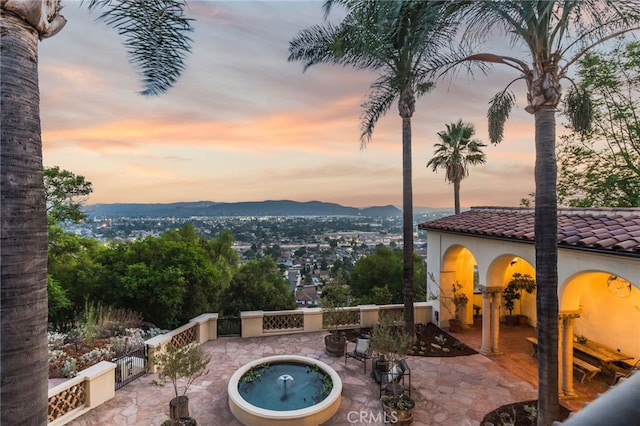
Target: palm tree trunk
{"x": 546, "y": 226}
{"x": 456, "y": 196}
{"x": 23, "y": 258}
{"x": 407, "y": 224}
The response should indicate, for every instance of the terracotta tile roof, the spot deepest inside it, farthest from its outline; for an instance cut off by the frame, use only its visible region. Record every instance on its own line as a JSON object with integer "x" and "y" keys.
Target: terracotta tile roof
{"x": 608, "y": 230}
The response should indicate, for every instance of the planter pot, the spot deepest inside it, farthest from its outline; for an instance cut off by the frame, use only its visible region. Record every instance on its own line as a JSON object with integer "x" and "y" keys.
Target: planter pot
{"x": 523, "y": 320}
{"x": 335, "y": 346}
{"x": 179, "y": 408}
{"x": 511, "y": 320}
{"x": 397, "y": 416}
{"x": 183, "y": 421}
{"x": 455, "y": 326}
{"x": 381, "y": 365}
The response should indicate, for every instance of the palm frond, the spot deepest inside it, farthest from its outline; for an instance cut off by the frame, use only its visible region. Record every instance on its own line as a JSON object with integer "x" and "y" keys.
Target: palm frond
{"x": 156, "y": 37}
{"x": 378, "y": 104}
{"x": 499, "y": 110}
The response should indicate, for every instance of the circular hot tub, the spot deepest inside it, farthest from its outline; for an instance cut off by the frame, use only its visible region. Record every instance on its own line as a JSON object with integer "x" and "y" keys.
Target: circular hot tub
{"x": 284, "y": 390}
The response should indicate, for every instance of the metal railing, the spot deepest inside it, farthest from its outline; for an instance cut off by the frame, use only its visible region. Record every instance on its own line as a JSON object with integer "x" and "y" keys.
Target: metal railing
{"x": 130, "y": 366}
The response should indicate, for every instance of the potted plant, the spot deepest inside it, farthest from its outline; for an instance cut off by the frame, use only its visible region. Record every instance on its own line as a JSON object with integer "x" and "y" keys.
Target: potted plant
{"x": 456, "y": 298}
{"x": 513, "y": 291}
{"x": 392, "y": 343}
{"x": 335, "y": 297}
{"x": 188, "y": 363}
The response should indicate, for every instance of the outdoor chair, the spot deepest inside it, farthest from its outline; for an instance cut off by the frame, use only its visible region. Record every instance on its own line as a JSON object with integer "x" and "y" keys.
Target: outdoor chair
{"x": 361, "y": 352}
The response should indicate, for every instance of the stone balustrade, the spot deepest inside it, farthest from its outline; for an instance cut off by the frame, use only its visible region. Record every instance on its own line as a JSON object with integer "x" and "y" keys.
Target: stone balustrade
{"x": 91, "y": 387}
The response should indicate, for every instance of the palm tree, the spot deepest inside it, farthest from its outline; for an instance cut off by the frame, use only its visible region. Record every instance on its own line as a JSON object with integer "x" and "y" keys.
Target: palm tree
{"x": 396, "y": 39}
{"x": 555, "y": 34}
{"x": 157, "y": 41}
{"x": 454, "y": 154}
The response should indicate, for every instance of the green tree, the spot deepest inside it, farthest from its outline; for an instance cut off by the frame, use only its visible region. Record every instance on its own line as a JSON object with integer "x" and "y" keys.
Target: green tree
{"x": 275, "y": 251}
{"x": 381, "y": 295}
{"x": 65, "y": 193}
{"x": 601, "y": 167}
{"x": 384, "y": 269}
{"x": 454, "y": 153}
{"x": 58, "y": 302}
{"x": 258, "y": 285}
{"x": 168, "y": 279}
{"x": 555, "y": 35}
{"x": 156, "y": 37}
{"x": 73, "y": 263}
{"x": 398, "y": 40}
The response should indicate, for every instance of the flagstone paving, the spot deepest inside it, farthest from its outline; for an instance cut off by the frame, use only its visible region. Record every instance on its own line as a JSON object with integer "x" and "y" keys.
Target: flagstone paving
{"x": 456, "y": 391}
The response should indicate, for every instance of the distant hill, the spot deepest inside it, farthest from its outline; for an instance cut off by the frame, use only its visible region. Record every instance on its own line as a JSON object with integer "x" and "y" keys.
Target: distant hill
{"x": 252, "y": 208}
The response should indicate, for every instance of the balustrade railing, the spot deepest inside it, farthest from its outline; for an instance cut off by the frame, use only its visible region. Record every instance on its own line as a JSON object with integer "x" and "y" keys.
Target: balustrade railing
{"x": 280, "y": 321}
{"x": 186, "y": 336}
{"x": 66, "y": 401}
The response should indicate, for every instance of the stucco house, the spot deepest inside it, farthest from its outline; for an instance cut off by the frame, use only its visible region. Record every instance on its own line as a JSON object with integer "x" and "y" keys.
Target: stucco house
{"x": 598, "y": 273}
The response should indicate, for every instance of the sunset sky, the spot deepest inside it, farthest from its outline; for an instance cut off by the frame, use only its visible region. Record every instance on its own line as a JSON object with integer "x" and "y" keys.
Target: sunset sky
{"x": 243, "y": 124}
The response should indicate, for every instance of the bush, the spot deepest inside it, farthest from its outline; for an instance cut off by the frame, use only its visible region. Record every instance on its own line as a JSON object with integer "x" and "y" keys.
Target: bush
{"x": 56, "y": 340}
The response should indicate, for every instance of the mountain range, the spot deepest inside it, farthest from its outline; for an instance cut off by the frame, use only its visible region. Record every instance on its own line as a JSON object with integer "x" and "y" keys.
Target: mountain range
{"x": 251, "y": 208}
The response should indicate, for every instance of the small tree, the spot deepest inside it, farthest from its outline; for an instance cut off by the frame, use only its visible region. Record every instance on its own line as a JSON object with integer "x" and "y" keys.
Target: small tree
{"x": 510, "y": 294}
{"x": 391, "y": 342}
{"x": 187, "y": 362}
{"x": 516, "y": 285}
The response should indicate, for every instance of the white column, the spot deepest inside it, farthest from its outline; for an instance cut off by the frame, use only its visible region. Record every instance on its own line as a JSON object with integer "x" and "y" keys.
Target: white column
{"x": 486, "y": 323}
{"x": 566, "y": 352}
{"x": 495, "y": 322}
{"x": 490, "y": 320}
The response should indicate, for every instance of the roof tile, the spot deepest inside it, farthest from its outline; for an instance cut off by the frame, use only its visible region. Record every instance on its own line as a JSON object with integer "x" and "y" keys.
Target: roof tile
{"x": 611, "y": 230}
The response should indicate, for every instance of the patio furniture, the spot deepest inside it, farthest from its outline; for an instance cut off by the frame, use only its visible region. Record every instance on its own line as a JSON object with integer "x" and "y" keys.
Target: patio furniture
{"x": 534, "y": 344}
{"x": 361, "y": 352}
{"x": 588, "y": 370}
{"x": 624, "y": 372}
{"x": 606, "y": 356}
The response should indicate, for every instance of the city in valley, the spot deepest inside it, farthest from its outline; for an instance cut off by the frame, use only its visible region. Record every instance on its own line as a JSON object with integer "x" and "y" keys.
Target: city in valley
{"x": 300, "y": 244}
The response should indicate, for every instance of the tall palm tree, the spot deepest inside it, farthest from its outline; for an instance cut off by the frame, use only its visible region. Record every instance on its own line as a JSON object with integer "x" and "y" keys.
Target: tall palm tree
{"x": 454, "y": 153}
{"x": 555, "y": 34}
{"x": 157, "y": 42}
{"x": 396, "y": 39}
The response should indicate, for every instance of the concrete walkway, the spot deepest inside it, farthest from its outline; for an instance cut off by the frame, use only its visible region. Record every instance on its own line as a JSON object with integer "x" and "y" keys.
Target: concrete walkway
{"x": 456, "y": 391}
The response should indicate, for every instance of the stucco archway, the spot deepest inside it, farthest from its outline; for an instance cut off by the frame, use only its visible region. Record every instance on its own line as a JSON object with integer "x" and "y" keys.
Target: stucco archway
{"x": 499, "y": 272}
{"x": 457, "y": 267}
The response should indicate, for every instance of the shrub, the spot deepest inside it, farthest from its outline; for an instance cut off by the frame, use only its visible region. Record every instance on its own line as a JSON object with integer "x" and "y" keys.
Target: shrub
{"x": 55, "y": 340}
{"x": 123, "y": 344}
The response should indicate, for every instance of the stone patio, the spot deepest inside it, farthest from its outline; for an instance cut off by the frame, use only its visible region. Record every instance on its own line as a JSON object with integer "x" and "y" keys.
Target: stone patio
{"x": 448, "y": 391}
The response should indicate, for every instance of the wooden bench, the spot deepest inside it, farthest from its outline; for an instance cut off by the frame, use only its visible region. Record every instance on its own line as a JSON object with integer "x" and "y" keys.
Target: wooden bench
{"x": 534, "y": 343}
{"x": 588, "y": 370}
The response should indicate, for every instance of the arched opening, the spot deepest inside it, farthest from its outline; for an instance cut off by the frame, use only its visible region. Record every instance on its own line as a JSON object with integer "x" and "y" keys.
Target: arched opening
{"x": 459, "y": 267}
{"x": 609, "y": 307}
{"x": 499, "y": 274}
